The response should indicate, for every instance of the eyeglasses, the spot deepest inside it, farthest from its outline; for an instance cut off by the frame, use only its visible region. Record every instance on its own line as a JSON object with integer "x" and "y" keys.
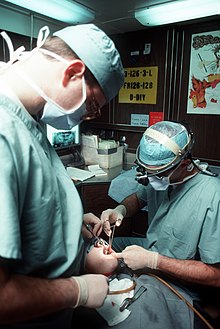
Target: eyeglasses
{"x": 93, "y": 109}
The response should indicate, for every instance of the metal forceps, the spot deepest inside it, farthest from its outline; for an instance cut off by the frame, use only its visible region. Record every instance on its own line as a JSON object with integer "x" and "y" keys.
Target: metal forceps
{"x": 89, "y": 228}
{"x": 97, "y": 241}
{"x": 129, "y": 300}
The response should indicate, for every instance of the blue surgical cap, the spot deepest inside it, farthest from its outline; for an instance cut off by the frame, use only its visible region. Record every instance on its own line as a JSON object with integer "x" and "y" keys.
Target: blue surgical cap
{"x": 153, "y": 152}
{"x": 99, "y": 54}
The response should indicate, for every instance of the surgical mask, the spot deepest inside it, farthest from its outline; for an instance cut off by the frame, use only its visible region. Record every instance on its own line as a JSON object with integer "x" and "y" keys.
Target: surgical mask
{"x": 162, "y": 183}
{"x": 59, "y": 118}
{"x": 159, "y": 184}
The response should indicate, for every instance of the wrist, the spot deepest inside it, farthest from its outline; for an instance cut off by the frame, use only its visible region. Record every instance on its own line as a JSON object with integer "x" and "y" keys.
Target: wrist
{"x": 122, "y": 209}
{"x": 83, "y": 291}
{"x": 152, "y": 260}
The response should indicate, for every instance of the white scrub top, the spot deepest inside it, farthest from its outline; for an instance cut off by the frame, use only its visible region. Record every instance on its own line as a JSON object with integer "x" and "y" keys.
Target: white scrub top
{"x": 41, "y": 211}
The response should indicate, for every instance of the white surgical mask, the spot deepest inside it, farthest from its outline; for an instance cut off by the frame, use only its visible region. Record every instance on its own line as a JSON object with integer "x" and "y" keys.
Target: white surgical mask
{"x": 159, "y": 184}
{"x": 162, "y": 183}
{"x": 53, "y": 116}
{"x": 59, "y": 118}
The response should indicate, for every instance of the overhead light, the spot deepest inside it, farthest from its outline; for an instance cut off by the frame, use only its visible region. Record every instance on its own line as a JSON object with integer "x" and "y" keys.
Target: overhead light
{"x": 177, "y": 11}
{"x": 66, "y": 11}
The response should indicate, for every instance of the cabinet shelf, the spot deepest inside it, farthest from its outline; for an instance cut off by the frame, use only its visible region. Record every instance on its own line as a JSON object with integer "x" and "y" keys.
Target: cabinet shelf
{"x": 116, "y": 127}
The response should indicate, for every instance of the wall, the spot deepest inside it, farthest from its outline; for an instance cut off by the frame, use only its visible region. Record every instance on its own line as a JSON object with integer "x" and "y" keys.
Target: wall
{"x": 205, "y": 127}
{"x": 171, "y": 48}
{"x": 170, "y": 51}
{"x": 118, "y": 115}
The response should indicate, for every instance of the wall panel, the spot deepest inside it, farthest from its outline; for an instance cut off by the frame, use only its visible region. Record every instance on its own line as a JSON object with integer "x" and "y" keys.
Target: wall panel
{"x": 171, "y": 52}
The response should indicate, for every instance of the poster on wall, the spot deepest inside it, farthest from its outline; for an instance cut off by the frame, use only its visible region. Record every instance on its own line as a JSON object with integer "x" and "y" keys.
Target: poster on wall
{"x": 204, "y": 75}
{"x": 140, "y": 85}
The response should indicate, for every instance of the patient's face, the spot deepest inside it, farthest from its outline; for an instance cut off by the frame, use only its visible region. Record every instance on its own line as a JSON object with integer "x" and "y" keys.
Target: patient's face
{"x": 100, "y": 260}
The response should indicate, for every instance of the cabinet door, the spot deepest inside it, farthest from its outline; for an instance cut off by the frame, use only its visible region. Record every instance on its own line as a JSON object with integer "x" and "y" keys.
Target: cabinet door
{"x": 95, "y": 198}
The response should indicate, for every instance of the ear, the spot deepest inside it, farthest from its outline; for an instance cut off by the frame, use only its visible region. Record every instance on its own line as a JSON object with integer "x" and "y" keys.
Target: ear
{"x": 75, "y": 69}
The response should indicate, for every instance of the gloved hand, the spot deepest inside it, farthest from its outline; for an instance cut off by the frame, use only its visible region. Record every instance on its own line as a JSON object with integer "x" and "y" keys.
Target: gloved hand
{"x": 96, "y": 225}
{"x": 112, "y": 216}
{"x": 137, "y": 257}
{"x": 93, "y": 289}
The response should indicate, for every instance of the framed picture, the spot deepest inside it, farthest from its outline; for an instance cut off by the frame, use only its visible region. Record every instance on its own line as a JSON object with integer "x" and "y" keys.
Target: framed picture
{"x": 204, "y": 74}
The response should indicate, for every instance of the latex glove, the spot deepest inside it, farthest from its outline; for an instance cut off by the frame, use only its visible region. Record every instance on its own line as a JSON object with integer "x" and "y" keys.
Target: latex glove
{"x": 137, "y": 257}
{"x": 93, "y": 289}
{"x": 96, "y": 224}
{"x": 112, "y": 216}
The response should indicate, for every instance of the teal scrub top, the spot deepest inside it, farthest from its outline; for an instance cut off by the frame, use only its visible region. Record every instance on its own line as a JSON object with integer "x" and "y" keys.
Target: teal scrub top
{"x": 184, "y": 222}
{"x": 41, "y": 212}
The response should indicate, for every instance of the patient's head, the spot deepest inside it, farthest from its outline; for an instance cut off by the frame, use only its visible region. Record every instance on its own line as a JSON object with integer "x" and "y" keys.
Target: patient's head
{"x": 101, "y": 260}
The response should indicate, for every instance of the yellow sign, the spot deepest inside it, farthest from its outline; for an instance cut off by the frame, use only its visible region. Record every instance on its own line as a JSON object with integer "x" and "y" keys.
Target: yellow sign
{"x": 140, "y": 86}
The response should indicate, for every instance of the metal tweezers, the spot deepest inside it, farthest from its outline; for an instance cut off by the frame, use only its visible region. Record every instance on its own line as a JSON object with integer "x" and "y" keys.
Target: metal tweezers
{"x": 111, "y": 236}
{"x": 129, "y": 300}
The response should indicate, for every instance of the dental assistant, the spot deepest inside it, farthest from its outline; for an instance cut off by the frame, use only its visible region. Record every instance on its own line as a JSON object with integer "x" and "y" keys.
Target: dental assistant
{"x": 67, "y": 78}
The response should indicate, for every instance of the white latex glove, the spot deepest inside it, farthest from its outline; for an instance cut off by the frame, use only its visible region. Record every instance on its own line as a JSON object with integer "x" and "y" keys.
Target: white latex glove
{"x": 137, "y": 257}
{"x": 112, "y": 216}
{"x": 93, "y": 289}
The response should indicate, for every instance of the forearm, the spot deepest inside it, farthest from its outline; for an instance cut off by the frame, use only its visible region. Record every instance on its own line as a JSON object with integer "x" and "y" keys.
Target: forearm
{"x": 25, "y": 298}
{"x": 190, "y": 271}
